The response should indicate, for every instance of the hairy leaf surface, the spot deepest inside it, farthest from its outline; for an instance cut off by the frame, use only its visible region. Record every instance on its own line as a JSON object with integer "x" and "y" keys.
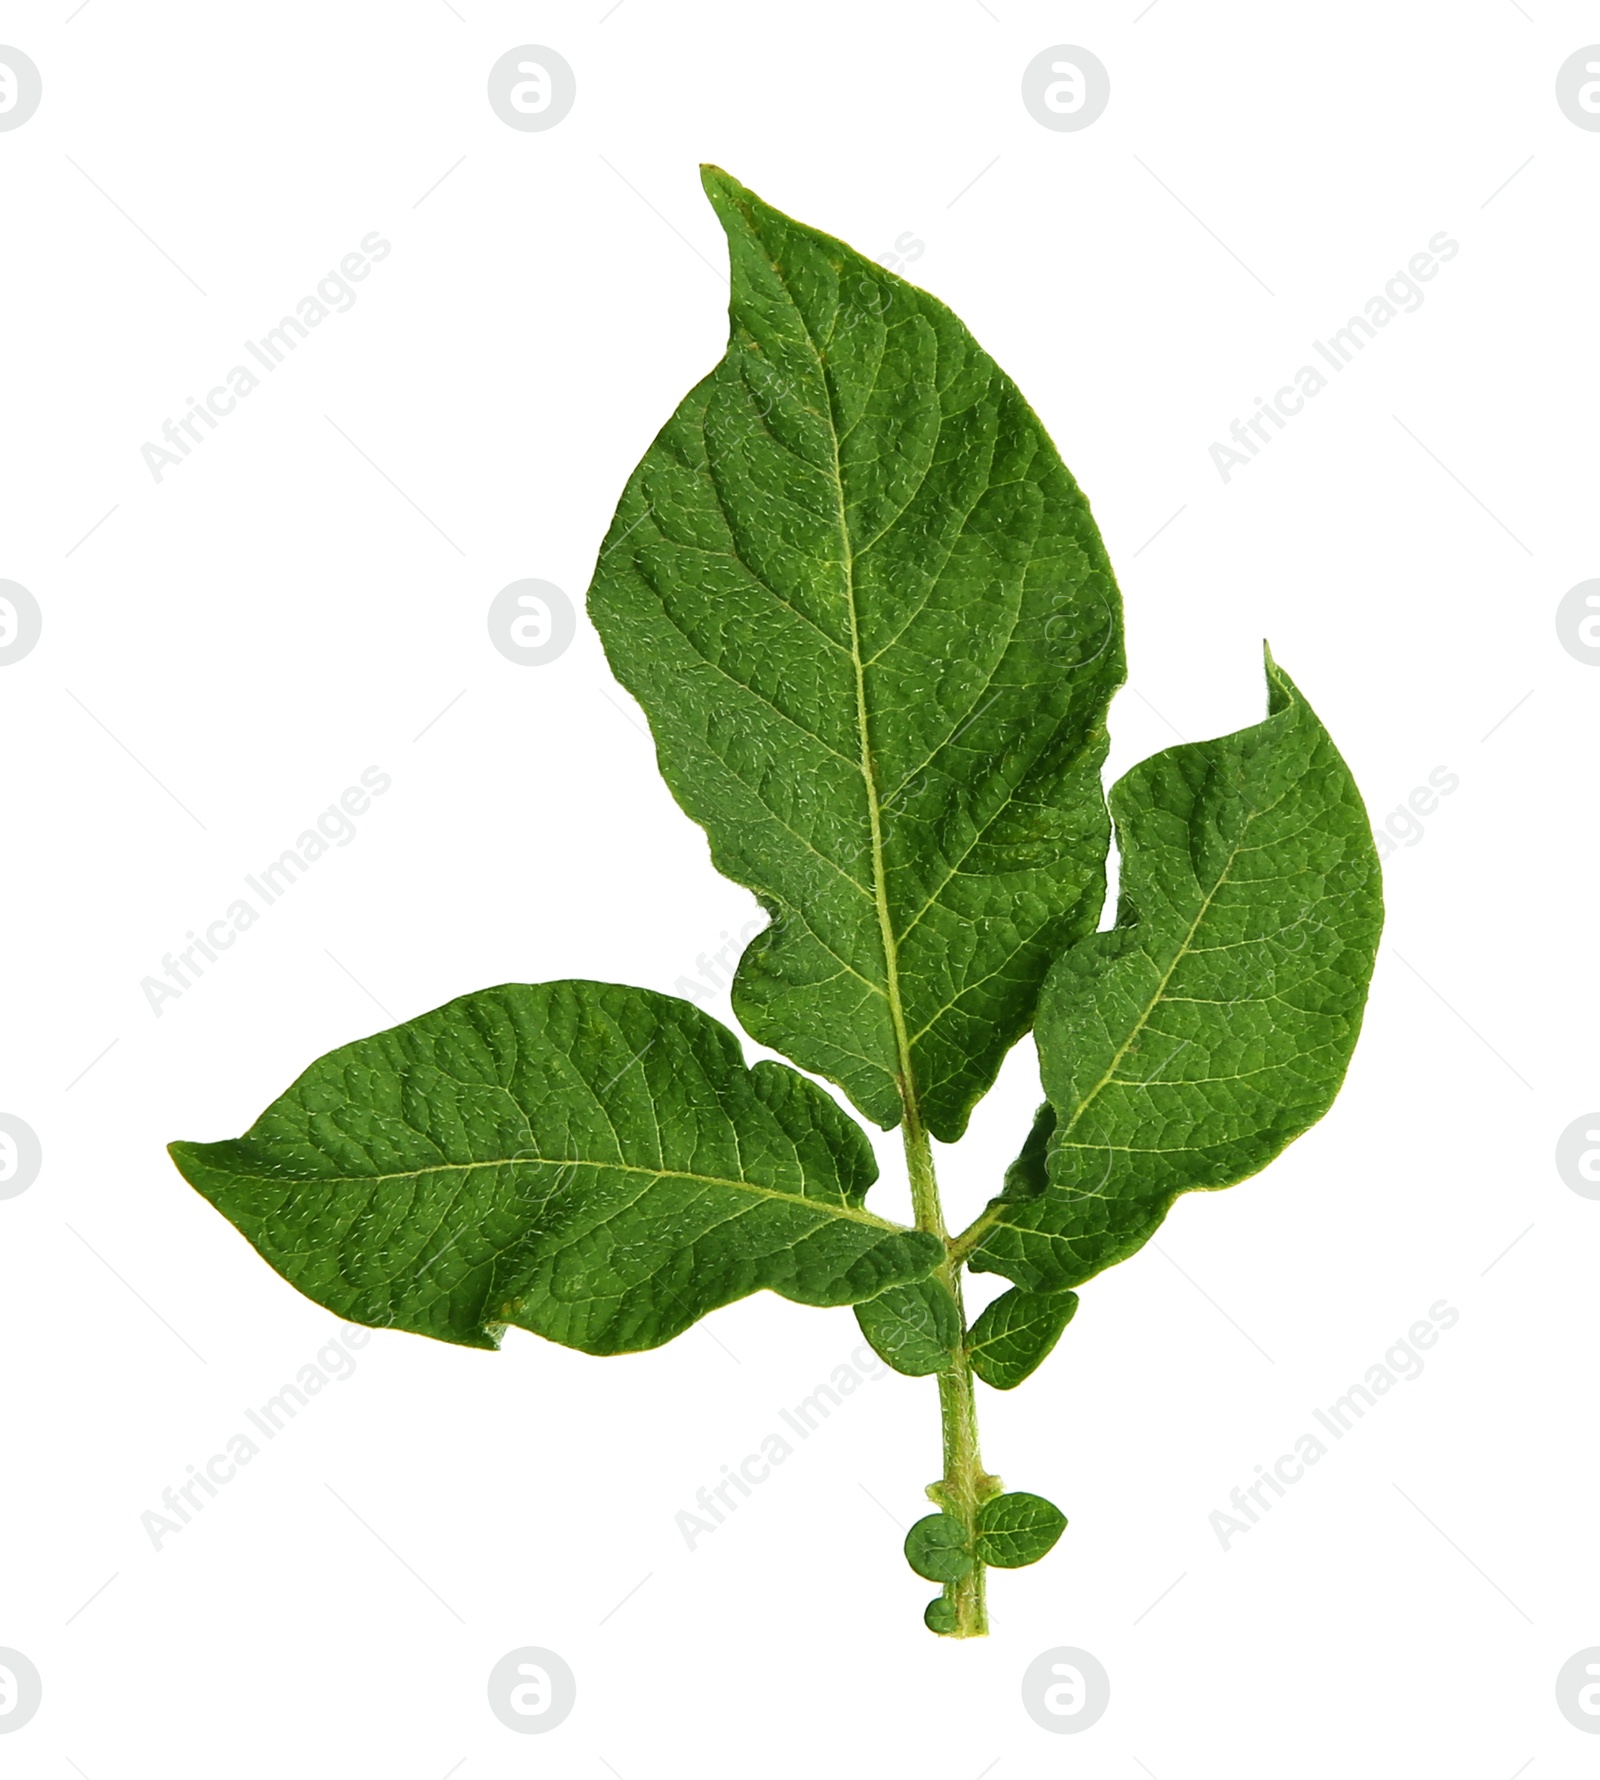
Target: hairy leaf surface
{"x": 1188, "y": 1045}
{"x": 591, "y": 1162}
{"x": 937, "y": 1548}
{"x": 913, "y": 1328}
{"x": 870, "y": 619}
{"x": 1018, "y": 1529}
{"x": 1015, "y": 1334}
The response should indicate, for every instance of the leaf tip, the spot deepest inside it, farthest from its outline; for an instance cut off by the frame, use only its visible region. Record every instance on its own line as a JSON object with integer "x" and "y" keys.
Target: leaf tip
{"x": 740, "y": 211}
{"x": 1281, "y": 690}
{"x": 718, "y": 184}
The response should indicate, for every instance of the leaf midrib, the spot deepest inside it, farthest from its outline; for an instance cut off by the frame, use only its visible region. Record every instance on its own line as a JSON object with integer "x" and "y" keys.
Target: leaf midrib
{"x": 1181, "y": 952}
{"x": 905, "y": 1076}
{"x": 971, "y": 1237}
{"x": 854, "y": 1214}
{"x": 905, "y": 1080}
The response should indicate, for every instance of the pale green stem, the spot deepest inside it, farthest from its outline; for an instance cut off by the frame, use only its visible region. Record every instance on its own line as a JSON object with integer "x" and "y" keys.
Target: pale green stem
{"x": 965, "y": 1486}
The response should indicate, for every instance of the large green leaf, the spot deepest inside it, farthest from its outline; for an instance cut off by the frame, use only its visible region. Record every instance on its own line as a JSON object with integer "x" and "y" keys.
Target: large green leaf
{"x": 591, "y": 1162}
{"x": 1188, "y": 1045}
{"x": 870, "y": 619}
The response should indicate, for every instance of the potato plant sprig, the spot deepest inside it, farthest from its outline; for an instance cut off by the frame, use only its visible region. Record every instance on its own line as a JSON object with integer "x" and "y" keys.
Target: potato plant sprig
{"x": 870, "y": 619}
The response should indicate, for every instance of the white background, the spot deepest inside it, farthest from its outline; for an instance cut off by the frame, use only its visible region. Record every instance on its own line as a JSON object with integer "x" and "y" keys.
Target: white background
{"x": 274, "y": 616}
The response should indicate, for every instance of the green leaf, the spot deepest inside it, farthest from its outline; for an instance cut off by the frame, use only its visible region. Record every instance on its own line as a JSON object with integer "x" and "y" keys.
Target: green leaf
{"x": 1030, "y": 1173}
{"x": 871, "y": 622}
{"x": 936, "y": 1548}
{"x": 940, "y": 1615}
{"x": 591, "y": 1162}
{"x": 1015, "y": 1333}
{"x": 1187, "y": 1046}
{"x": 1017, "y": 1529}
{"x": 913, "y": 1327}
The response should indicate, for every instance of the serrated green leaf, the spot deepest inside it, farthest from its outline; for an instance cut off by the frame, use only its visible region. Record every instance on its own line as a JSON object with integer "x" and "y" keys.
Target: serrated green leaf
{"x": 1017, "y": 1529}
{"x": 869, "y": 617}
{"x": 1015, "y": 1333}
{"x": 936, "y": 1548}
{"x": 1187, "y": 1046}
{"x": 591, "y": 1162}
{"x": 913, "y": 1327}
